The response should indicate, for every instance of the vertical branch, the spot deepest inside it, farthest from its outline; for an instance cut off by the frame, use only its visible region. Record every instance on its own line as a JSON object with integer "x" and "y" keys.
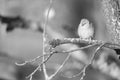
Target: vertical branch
{"x": 44, "y": 40}
{"x": 54, "y": 74}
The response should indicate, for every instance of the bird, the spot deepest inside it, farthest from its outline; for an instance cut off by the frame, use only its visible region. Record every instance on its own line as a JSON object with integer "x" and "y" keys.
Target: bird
{"x": 85, "y": 29}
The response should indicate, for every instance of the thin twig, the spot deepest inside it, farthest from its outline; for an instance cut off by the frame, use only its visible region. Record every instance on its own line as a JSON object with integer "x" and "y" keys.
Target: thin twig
{"x": 30, "y": 61}
{"x": 96, "y": 51}
{"x": 57, "y": 42}
{"x": 78, "y": 74}
{"x": 39, "y": 67}
{"x": 54, "y": 52}
{"x": 35, "y": 59}
{"x": 31, "y": 75}
{"x": 83, "y": 72}
{"x": 44, "y": 40}
{"x": 81, "y": 48}
{"x": 53, "y": 75}
{"x": 70, "y": 51}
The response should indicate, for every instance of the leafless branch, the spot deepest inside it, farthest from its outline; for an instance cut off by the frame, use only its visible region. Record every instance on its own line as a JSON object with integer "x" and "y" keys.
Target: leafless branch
{"x": 44, "y": 40}
{"x": 53, "y": 75}
{"x": 31, "y": 75}
{"x": 96, "y": 51}
{"x": 53, "y": 52}
{"x": 30, "y": 61}
{"x": 57, "y": 42}
{"x": 90, "y": 43}
{"x": 83, "y": 72}
{"x": 81, "y": 48}
{"x": 39, "y": 66}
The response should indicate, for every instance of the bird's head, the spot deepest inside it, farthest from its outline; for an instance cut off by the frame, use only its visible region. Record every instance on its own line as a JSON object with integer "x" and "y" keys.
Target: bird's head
{"x": 84, "y": 23}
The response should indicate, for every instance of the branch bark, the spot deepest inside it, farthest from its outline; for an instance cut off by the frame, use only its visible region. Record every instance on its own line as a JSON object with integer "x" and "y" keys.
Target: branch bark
{"x": 57, "y": 42}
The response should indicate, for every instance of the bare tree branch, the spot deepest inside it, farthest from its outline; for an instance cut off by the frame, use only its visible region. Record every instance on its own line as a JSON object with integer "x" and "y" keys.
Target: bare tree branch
{"x": 30, "y": 61}
{"x": 57, "y": 42}
{"x": 83, "y": 72}
{"x": 39, "y": 66}
{"x": 54, "y": 74}
{"x": 44, "y": 40}
{"x": 70, "y": 51}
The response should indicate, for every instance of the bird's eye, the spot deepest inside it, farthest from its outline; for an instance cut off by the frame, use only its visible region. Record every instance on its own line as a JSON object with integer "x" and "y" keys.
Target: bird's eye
{"x": 83, "y": 23}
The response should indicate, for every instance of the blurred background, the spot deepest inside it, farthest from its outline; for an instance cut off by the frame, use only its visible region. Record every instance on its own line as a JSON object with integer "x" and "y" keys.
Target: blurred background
{"x": 21, "y": 31}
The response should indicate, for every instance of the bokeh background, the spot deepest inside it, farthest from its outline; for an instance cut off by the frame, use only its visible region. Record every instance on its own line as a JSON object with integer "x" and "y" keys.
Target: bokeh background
{"x": 25, "y": 44}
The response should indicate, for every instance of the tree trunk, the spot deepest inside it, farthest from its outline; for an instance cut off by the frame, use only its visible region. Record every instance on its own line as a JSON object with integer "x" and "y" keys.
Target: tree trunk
{"x": 111, "y": 11}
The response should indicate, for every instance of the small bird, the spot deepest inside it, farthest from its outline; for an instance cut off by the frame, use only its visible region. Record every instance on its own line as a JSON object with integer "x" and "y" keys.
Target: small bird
{"x": 85, "y": 29}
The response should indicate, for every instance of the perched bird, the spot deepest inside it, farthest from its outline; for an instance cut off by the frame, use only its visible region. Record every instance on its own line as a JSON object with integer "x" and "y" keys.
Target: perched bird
{"x": 85, "y": 29}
